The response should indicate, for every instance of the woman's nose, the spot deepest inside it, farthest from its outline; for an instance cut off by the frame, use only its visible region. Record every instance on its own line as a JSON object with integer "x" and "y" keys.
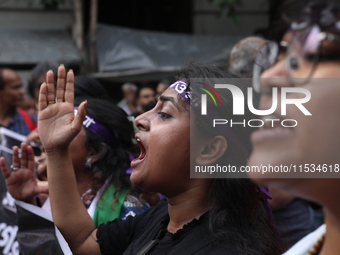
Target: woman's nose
{"x": 142, "y": 122}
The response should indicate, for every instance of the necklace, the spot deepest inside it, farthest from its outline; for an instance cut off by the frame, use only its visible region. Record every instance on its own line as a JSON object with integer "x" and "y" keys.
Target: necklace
{"x": 315, "y": 250}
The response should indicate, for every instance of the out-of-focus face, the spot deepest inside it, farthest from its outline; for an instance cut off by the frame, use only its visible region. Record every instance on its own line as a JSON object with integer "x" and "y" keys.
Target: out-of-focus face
{"x": 146, "y": 96}
{"x": 146, "y": 99}
{"x": 164, "y": 139}
{"x": 161, "y": 87}
{"x": 13, "y": 93}
{"x": 316, "y": 138}
{"x": 130, "y": 95}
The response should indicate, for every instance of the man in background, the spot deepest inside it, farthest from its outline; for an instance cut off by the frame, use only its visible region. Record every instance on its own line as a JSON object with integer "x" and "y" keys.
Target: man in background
{"x": 129, "y": 101}
{"x": 11, "y": 96}
{"x": 146, "y": 100}
{"x": 161, "y": 87}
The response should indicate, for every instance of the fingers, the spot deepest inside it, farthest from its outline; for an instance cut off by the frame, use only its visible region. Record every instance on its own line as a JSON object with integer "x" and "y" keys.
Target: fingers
{"x": 23, "y": 159}
{"x": 42, "y": 187}
{"x": 4, "y": 168}
{"x": 50, "y": 87}
{"x": 30, "y": 158}
{"x": 69, "y": 90}
{"x": 15, "y": 157}
{"x": 32, "y": 137}
{"x": 79, "y": 118}
{"x": 61, "y": 83}
{"x": 49, "y": 95}
{"x": 43, "y": 97}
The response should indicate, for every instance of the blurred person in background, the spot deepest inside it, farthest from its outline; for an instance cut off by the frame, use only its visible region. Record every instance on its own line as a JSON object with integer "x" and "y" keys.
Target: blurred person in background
{"x": 295, "y": 217}
{"x": 306, "y": 58}
{"x": 145, "y": 100}
{"x": 11, "y": 97}
{"x": 161, "y": 87}
{"x": 129, "y": 101}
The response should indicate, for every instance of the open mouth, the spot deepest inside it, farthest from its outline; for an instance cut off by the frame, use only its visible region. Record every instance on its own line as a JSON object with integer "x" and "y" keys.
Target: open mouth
{"x": 141, "y": 156}
{"x": 142, "y": 149}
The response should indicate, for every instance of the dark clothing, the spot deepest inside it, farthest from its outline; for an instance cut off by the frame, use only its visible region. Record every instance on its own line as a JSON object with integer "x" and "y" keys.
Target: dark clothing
{"x": 296, "y": 220}
{"x": 134, "y": 234}
{"x": 17, "y": 124}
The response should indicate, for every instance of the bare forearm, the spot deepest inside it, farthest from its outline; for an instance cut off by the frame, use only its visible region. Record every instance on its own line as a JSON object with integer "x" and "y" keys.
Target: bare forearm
{"x": 69, "y": 213}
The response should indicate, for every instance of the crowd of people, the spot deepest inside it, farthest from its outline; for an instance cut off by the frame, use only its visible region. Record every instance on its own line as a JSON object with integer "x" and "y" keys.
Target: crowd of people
{"x": 112, "y": 190}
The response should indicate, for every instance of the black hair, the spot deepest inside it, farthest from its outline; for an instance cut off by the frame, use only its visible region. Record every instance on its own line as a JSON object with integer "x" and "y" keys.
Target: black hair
{"x": 41, "y": 69}
{"x": 85, "y": 86}
{"x": 114, "y": 158}
{"x": 238, "y": 214}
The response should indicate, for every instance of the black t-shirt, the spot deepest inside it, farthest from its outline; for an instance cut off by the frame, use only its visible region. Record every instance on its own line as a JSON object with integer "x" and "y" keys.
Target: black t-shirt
{"x": 137, "y": 234}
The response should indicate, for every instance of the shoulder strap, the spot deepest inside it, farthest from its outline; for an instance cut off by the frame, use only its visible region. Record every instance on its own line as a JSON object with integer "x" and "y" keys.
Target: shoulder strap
{"x": 28, "y": 120}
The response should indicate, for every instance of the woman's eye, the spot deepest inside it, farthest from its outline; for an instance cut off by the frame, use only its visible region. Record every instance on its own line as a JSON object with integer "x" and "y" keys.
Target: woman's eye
{"x": 163, "y": 116}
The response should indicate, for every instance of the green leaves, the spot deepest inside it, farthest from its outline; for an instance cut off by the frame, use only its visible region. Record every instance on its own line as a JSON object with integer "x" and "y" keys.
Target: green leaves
{"x": 227, "y": 8}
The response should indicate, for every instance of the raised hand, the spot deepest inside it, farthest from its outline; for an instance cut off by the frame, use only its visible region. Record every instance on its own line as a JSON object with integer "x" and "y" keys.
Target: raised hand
{"x": 57, "y": 124}
{"x": 21, "y": 182}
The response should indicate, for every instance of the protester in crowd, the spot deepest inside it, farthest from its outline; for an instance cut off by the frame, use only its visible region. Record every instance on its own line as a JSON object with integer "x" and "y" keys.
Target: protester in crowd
{"x": 161, "y": 87}
{"x": 100, "y": 156}
{"x": 308, "y": 57}
{"x": 145, "y": 100}
{"x": 201, "y": 216}
{"x": 129, "y": 101}
{"x": 11, "y": 96}
{"x": 294, "y": 217}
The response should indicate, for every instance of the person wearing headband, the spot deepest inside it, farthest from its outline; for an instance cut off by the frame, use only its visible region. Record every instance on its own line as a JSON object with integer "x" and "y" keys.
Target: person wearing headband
{"x": 100, "y": 156}
{"x": 306, "y": 61}
{"x": 199, "y": 215}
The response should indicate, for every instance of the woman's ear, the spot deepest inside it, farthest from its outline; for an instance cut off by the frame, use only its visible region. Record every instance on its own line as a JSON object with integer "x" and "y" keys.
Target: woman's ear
{"x": 211, "y": 151}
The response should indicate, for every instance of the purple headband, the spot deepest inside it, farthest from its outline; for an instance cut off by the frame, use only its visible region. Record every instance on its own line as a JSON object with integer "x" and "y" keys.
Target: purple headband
{"x": 182, "y": 88}
{"x": 98, "y": 129}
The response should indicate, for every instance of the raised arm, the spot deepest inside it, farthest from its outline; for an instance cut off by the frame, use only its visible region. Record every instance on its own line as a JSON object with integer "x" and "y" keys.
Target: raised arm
{"x": 22, "y": 183}
{"x": 57, "y": 127}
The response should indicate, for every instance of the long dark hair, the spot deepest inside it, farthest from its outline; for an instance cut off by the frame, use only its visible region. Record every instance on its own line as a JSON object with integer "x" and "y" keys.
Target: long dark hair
{"x": 113, "y": 159}
{"x": 239, "y": 215}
